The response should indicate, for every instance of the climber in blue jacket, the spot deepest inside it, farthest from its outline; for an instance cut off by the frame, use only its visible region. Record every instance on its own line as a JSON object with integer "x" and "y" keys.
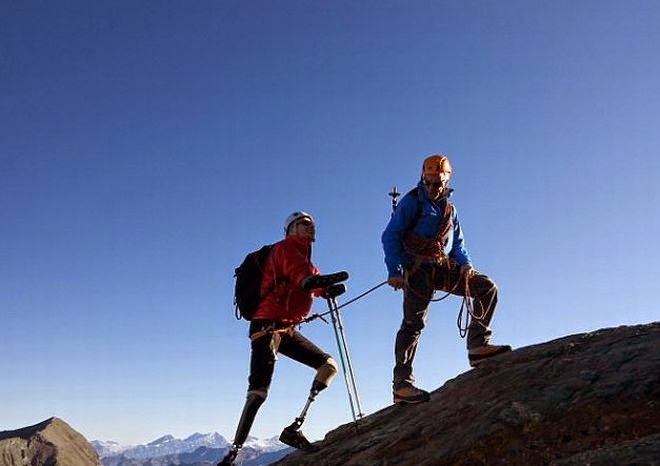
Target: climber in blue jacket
{"x": 425, "y": 251}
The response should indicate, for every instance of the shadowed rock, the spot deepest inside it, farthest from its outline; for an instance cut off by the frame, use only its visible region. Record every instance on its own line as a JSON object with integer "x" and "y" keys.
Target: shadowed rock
{"x": 50, "y": 443}
{"x": 592, "y": 398}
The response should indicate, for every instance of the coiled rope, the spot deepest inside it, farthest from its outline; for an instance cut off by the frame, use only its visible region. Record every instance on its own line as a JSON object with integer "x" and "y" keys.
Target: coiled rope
{"x": 467, "y": 305}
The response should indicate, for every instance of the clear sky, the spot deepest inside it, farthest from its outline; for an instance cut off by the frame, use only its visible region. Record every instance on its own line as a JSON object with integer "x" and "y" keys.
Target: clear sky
{"x": 146, "y": 147}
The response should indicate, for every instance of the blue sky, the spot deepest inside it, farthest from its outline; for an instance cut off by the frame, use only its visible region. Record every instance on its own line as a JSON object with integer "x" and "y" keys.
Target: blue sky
{"x": 146, "y": 147}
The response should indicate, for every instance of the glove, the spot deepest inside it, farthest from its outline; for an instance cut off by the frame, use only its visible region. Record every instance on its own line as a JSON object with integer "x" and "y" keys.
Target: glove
{"x": 395, "y": 282}
{"x": 323, "y": 281}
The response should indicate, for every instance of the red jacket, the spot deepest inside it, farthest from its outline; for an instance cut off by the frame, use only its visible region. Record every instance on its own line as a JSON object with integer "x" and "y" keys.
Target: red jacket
{"x": 288, "y": 263}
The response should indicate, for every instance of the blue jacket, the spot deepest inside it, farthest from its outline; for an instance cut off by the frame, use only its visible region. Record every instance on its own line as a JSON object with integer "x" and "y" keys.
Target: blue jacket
{"x": 427, "y": 227}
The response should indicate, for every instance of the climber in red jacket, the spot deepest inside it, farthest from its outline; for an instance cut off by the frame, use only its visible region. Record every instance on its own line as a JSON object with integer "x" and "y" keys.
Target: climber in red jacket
{"x": 289, "y": 282}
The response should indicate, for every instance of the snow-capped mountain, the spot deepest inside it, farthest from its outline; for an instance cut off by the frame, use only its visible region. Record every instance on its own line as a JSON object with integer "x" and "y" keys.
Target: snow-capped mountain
{"x": 165, "y": 445}
{"x": 108, "y": 448}
{"x": 191, "y": 450}
{"x": 264, "y": 445}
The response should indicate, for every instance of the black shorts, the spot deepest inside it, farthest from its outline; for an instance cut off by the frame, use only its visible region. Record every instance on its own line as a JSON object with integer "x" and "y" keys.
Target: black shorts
{"x": 289, "y": 342}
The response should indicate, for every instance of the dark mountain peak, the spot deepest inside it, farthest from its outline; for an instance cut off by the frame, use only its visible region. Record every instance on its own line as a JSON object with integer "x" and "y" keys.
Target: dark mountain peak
{"x": 586, "y": 398}
{"x": 27, "y": 432}
{"x": 52, "y": 441}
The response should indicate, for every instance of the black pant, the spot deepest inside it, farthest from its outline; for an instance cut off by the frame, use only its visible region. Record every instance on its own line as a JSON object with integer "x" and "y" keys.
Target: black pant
{"x": 283, "y": 339}
{"x": 416, "y": 298}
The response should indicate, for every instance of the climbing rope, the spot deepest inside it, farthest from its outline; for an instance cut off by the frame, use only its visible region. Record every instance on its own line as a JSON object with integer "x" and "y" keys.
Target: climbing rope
{"x": 362, "y": 295}
{"x": 468, "y": 305}
{"x": 465, "y": 312}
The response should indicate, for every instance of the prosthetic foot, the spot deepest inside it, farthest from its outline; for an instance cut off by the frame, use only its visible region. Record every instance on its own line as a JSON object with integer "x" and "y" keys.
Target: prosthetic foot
{"x": 291, "y": 435}
{"x": 295, "y": 438}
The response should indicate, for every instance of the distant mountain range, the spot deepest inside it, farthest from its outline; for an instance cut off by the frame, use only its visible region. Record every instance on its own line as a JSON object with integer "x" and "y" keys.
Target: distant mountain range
{"x": 195, "y": 450}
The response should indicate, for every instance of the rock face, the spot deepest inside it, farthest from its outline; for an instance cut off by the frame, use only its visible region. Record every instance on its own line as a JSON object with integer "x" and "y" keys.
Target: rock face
{"x": 592, "y": 398}
{"x": 49, "y": 443}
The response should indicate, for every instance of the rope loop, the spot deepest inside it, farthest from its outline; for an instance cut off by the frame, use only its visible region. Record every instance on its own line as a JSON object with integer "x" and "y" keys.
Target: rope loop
{"x": 466, "y": 311}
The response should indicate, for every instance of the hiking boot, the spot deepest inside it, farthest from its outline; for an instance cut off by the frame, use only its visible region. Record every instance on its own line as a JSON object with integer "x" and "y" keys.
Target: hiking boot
{"x": 410, "y": 394}
{"x": 481, "y": 353}
{"x": 296, "y": 439}
{"x": 229, "y": 458}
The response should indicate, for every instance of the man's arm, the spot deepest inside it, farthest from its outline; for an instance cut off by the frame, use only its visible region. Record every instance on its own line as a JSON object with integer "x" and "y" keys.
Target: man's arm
{"x": 458, "y": 250}
{"x": 295, "y": 265}
{"x": 392, "y": 237}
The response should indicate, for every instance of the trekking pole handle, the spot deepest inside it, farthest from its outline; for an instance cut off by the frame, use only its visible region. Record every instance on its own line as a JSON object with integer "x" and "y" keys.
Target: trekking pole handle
{"x": 323, "y": 281}
{"x": 335, "y": 290}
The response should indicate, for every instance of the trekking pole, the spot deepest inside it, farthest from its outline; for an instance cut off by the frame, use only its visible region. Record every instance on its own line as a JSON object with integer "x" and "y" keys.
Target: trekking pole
{"x": 349, "y": 362}
{"x": 342, "y": 346}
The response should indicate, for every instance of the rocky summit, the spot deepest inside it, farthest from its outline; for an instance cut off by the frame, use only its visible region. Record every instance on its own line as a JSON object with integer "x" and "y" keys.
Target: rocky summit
{"x": 49, "y": 443}
{"x": 592, "y": 398}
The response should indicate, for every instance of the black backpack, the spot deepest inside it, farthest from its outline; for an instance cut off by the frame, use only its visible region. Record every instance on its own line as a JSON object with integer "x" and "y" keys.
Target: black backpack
{"x": 247, "y": 290}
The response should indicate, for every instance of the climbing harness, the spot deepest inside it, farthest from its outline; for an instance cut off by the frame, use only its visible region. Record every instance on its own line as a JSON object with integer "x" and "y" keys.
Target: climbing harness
{"x": 271, "y": 330}
{"x": 432, "y": 250}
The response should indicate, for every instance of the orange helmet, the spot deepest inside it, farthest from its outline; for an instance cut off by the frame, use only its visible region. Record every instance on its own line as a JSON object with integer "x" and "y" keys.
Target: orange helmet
{"x": 433, "y": 165}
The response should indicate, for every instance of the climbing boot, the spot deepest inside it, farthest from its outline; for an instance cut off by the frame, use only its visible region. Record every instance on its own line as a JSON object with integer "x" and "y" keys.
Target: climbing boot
{"x": 409, "y": 394}
{"x": 481, "y": 353}
{"x": 296, "y": 439}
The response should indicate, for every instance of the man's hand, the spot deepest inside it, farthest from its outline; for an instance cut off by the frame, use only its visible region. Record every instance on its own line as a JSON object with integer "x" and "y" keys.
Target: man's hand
{"x": 395, "y": 282}
{"x": 468, "y": 271}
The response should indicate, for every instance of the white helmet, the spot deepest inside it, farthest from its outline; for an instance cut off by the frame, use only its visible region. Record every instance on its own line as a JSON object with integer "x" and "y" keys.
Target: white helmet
{"x": 295, "y": 216}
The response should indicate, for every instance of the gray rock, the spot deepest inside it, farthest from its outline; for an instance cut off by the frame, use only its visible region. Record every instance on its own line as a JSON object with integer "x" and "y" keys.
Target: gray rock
{"x": 591, "y": 398}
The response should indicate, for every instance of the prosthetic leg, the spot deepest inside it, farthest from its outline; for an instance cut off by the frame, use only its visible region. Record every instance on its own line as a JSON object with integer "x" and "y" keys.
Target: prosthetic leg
{"x": 252, "y": 404}
{"x": 291, "y": 435}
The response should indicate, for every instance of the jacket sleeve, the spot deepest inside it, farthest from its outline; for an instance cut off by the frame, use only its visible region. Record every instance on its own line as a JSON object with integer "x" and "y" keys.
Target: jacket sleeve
{"x": 458, "y": 251}
{"x": 295, "y": 265}
{"x": 392, "y": 237}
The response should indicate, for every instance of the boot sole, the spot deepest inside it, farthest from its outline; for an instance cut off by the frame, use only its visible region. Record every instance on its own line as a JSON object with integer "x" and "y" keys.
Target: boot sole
{"x": 411, "y": 401}
{"x": 476, "y": 359}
